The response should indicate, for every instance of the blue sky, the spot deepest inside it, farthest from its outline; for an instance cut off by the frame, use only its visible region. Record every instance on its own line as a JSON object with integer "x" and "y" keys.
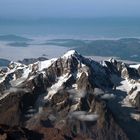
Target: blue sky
{"x": 69, "y": 8}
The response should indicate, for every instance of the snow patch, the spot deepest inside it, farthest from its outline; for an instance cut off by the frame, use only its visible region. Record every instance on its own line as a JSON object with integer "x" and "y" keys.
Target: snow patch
{"x": 103, "y": 63}
{"x": 4, "y": 95}
{"x": 46, "y": 63}
{"x": 57, "y": 86}
{"x": 69, "y": 54}
{"x": 135, "y": 66}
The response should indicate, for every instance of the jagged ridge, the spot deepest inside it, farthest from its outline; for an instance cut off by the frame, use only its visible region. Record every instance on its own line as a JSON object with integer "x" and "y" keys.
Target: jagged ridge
{"x": 71, "y": 94}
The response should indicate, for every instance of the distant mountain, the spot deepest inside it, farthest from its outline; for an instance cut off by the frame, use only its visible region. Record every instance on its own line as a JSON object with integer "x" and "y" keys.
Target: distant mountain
{"x": 28, "y": 61}
{"x": 125, "y": 48}
{"x": 18, "y": 44}
{"x": 4, "y": 62}
{"x": 11, "y": 37}
{"x": 70, "y": 98}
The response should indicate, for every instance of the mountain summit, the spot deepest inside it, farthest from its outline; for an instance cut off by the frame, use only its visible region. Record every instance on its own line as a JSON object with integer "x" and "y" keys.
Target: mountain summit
{"x": 70, "y": 98}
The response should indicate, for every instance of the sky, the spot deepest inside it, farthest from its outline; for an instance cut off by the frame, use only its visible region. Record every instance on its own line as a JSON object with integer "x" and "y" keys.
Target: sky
{"x": 69, "y": 8}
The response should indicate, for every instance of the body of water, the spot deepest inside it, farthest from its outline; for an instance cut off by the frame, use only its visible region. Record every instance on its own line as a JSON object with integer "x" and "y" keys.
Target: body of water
{"x": 73, "y": 27}
{"x": 53, "y": 34}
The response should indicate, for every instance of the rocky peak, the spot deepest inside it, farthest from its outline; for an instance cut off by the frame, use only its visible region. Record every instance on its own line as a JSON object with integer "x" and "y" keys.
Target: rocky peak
{"x": 71, "y": 53}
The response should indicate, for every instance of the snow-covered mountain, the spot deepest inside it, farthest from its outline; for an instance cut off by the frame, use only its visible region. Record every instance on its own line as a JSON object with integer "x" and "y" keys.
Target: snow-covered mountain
{"x": 73, "y": 97}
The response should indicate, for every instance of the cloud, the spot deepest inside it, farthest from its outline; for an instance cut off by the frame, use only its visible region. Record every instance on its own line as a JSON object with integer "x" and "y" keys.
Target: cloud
{"x": 84, "y": 116}
{"x": 108, "y": 96}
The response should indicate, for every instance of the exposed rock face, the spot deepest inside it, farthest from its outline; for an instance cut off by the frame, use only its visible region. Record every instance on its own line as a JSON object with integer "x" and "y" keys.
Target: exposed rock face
{"x": 135, "y": 96}
{"x": 18, "y": 133}
{"x": 120, "y": 68}
{"x": 130, "y": 73}
{"x": 66, "y": 98}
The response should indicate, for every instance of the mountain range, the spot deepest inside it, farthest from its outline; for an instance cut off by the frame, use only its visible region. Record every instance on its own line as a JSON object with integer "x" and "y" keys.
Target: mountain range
{"x": 70, "y": 98}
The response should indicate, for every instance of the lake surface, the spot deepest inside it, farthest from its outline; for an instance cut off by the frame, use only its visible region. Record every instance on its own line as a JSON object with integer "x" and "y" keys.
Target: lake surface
{"x": 54, "y": 36}
{"x": 84, "y": 28}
